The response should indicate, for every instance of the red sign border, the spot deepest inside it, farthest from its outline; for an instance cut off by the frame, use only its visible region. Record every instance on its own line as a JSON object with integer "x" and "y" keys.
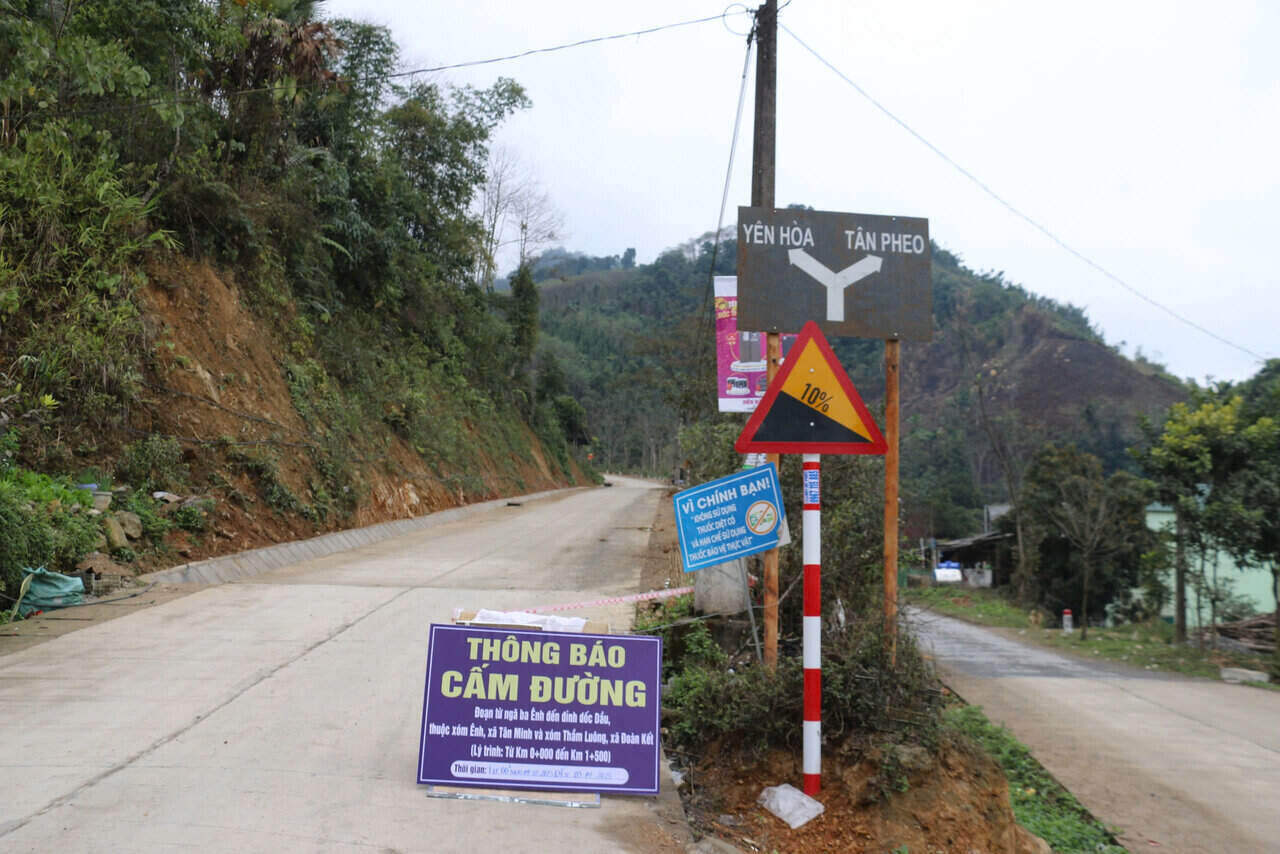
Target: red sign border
{"x": 746, "y": 442}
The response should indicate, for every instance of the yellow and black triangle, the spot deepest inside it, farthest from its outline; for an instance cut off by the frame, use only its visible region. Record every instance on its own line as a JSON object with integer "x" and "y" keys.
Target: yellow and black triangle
{"x": 811, "y": 407}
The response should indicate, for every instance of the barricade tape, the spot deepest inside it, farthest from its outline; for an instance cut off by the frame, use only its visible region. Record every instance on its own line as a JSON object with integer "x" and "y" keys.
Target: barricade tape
{"x": 616, "y": 600}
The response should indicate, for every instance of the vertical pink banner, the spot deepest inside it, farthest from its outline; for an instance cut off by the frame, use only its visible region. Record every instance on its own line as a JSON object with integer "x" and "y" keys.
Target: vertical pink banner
{"x": 741, "y": 369}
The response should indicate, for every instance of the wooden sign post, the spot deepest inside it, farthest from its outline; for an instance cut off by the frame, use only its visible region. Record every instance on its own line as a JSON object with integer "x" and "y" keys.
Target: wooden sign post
{"x": 891, "y": 354}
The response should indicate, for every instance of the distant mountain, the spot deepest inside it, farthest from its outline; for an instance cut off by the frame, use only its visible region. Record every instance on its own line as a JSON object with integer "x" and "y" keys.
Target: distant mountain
{"x": 1006, "y": 371}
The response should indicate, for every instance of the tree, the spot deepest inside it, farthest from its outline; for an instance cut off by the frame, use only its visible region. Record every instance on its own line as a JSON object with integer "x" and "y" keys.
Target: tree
{"x": 1244, "y": 510}
{"x": 513, "y": 210}
{"x": 523, "y": 317}
{"x": 1011, "y": 441}
{"x": 1099, "y": 517}
{"x": 1190, "y": 460}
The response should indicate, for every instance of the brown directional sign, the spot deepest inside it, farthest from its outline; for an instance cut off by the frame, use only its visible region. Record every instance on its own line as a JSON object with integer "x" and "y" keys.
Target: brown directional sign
{"x": 857, "y": 275}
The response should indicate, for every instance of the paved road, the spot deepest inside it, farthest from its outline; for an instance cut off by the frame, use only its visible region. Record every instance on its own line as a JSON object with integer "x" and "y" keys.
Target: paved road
{"x": 283, "y": 714}
{"x": 1179, "y": 764}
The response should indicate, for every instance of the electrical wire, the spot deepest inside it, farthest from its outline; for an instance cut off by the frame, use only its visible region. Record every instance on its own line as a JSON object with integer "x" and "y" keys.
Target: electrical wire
{"x": 374, "y": 78}
{"x": 708, "y": 301}
{"x": 567, "y": 45}
{"x": 1080, "y": 256}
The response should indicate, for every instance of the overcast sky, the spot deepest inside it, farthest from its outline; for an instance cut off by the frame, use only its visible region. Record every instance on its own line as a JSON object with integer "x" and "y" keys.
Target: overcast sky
{"x": 1146, "y": 135}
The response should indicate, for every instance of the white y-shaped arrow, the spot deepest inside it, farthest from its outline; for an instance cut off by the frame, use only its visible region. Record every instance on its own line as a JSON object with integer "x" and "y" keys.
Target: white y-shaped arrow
{"x": 835, "y": 283}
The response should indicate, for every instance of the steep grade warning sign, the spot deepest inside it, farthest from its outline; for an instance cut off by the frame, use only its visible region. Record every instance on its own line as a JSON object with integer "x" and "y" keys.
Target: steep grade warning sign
{"x": 812, "y": 407}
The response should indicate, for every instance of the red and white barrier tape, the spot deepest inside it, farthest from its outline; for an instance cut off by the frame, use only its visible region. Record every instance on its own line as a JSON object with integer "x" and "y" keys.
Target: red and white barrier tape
{"x": 615, "y": 600}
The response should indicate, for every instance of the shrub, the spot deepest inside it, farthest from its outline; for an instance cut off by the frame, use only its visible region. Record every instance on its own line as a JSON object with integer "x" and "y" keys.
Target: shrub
{"x": 154, "y": 526}
{"x": 39, "y": 532}
{"x": 154, "y": 463}
{"x": 755, "y": 710}
{"x": 193, "y": 517}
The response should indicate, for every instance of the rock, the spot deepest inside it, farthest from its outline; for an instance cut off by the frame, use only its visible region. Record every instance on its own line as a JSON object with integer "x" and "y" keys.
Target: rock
{"x": 1236, "y": 675}
{"x": 166, "y": 497}
{"x": 102, "y": 501}
{"x": 116, "y": 538}
{"x": 100, "y": 544}
{"x": 911, "y": 757}
{"x": 131, "y": 524}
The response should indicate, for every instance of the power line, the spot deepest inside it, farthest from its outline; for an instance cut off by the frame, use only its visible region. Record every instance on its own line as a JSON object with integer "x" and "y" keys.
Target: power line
{"x": 567, "y": 45}
{"x": 708, "y": 296}
{"x": 1015, "y": 211}
{"x": 189, "y": 99}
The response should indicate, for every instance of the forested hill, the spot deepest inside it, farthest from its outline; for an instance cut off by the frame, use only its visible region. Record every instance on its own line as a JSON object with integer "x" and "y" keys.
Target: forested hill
{"x": 1005, "y": 372}
{"x": 240, "y": 264}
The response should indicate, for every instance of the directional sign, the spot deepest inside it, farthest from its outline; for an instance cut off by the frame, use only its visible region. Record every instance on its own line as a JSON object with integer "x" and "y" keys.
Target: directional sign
{"x": 812, "y": 407}
{"x": 854, "y": 274}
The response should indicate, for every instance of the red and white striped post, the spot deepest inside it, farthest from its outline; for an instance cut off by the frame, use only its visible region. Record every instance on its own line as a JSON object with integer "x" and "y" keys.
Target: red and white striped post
{"x": 812, "y": 516}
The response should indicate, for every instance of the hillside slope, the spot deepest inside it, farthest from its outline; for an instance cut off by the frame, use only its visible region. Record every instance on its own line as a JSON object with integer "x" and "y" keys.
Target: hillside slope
{"x": 1004, "y": 366}
{"x": 255, "y": 440}
{"x": 242, "y": 265}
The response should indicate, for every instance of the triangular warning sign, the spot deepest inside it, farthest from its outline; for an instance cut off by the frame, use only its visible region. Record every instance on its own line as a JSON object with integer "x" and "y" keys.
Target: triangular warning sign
{"x": 811, "y": 407}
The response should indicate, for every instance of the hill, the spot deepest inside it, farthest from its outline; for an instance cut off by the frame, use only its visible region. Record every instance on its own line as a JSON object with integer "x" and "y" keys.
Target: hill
{"x": 237, "y": 266}
{"x": 1005, "y": 372}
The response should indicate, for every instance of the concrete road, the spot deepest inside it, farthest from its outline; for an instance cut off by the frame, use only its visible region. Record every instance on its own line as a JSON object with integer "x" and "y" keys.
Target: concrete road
{"x": 283, "y": 714}
{"x": 1178, "y": 764}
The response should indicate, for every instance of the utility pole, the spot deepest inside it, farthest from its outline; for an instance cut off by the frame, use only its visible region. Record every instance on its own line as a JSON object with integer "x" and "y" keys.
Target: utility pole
{"x": 762, "y": 173}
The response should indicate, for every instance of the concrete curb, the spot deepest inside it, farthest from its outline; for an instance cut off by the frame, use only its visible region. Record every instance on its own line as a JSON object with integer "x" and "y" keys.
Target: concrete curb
{"x": 247, "y": 564}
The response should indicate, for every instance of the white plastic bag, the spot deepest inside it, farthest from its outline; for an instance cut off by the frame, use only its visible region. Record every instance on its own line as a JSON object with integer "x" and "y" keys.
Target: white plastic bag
{"x": 790, "y": 804}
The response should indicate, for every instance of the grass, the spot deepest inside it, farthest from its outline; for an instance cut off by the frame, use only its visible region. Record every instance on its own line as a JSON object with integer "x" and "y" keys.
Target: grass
{"x": 1147, "y": 645}
{"x": 1040, "y": 803}
{"x": 975, "y": 605}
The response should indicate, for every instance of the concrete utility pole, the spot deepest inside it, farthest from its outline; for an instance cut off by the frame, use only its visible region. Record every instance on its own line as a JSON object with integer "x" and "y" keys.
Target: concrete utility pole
{"x": 762, "y": 172}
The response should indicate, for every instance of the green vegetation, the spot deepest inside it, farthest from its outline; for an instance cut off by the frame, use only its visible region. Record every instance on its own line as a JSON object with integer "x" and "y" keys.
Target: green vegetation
{"x": 272, "y": 145}
{"x": 1040, "y": 803}
{"x": 42, "y": 522}
{"x": 154, "y": 463}
{"x": 985, "y": 607}
{"x": 1216, "y": 460}
{"x": 752, "y": 710}
{"x": 1148, "y": 644}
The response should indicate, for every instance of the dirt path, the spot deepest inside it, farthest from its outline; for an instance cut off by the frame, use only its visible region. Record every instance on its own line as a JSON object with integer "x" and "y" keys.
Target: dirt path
{"x": 1178, "y": 764}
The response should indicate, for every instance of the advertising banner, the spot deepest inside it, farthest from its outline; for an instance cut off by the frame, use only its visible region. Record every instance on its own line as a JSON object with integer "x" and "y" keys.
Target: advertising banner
{"x": 513, "y": 709}
{"x": 740, "y": 355}
{"x": 730, "y": 517}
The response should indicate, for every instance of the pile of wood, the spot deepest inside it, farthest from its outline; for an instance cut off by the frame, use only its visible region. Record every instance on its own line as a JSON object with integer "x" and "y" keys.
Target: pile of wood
{"x": 1257, "y": 633}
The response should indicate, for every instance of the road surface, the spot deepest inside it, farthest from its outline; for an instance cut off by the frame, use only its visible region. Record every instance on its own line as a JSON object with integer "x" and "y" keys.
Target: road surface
{"x": 1178, "y": 764}
{"x": 283, "y": 714}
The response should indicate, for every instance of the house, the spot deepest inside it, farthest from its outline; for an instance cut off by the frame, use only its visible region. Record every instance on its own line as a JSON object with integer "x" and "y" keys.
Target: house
{"x": 980, "y": 558}
{"x": 1251, "y": 584}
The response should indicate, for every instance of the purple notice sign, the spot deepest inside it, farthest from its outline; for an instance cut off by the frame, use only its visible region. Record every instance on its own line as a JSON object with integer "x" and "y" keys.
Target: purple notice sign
{"x": 512, "y": 709}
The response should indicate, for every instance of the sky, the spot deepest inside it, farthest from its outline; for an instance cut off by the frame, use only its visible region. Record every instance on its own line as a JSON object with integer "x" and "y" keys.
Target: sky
{"x": 1144, "y": 135}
